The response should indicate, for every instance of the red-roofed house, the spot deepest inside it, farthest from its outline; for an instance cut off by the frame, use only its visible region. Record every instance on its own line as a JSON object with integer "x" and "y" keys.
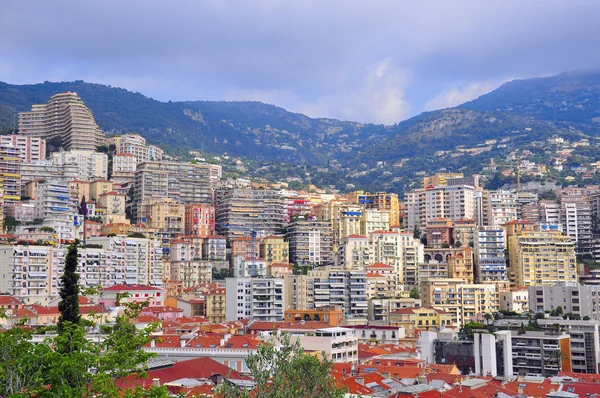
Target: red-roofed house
{"x": 136, "y": 293}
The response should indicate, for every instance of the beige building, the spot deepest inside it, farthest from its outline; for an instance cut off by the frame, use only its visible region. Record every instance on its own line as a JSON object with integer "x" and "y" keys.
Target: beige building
{"x": 64, "y": 116}
{"x": 79, "y": 189}
{"x": 374, "y": 220}
{"x": 115, "y": 207}
{"x": 133, "y": 144}
{"x": 274, "y": 249}
{"x": 420, "y": 318}
{"x": 99, "y": 187}
{"x": 31, "y": 148}
{"x": 167, "y": 215}
{"x": 541, "y": 258}
{"x": 516, "y": 300}
{"x": 215, "y": 304}
{"x": 460, "y": 265}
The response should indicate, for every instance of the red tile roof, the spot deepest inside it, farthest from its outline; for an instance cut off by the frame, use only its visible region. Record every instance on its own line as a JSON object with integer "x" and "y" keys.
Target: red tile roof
{"x": 9, "y": 300}
{"x": 379, "y": 266}
{"x": 126, "y": 288}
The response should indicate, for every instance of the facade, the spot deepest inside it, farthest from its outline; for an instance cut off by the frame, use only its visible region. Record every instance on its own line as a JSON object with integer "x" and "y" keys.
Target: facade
{"x": 31, "y": 171}
{"x": 274, "y": 249}
{"x": 490, "y": 263}
{"x": 114, "y": 203}
{"x": 540, "y": 258}
{"x": 55, "y": 206}
{"x": 133, "y": 144}
{"x": 420, "y": 318}
{"x": 374, "y": 220}
{"x": 185, "y": 182}
{"x": 310, "y": 242}
{"x": 539, "y": 353}
{"x": 167, "y": 215}
{"x": 580, "y": 300}
{"x": 382, "y": 201}
{"x": 262, "y": 299}
{"x": 338, "y": 343}
{"x": 240, "y": 211}
{"x": 344, "y": 288}
{"x": 10, "y": 173}
{"x": 64, "y": 116}
{"x": 123, "y": 167}
{"x": 91, "y": 165}
{"x": 199, "y": 219}
{"x": 515, "y": 300}
{"x": 30, "y": 148}
{"x": 501, "y": 208}
{"x": 215, "y": 299}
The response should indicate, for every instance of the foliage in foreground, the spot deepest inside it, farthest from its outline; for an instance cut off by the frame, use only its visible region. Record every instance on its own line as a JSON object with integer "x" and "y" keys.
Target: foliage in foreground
{"x": 281, "y": 369}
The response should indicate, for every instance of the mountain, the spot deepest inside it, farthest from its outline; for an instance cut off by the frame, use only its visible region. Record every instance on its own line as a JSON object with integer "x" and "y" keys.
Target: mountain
{"x": 250, "y": 129}
{"x": 278, "y": 144}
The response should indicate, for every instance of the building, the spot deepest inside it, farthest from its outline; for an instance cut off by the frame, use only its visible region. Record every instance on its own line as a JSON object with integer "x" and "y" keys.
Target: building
{"x": 327, "y": 287}
{"x": 133, "y": 144}
{"x": 333, "y": 316}
{"x": 453, "y": 202}
{"x": 576, "y": 208}
{"x": 165, "y": 214}
{"x": 310, "y": 242}
{"x": 123, "y": 167}
{"x": 439, "y": 233}
{"x": 515, "y": 300}
{"x": 579, "y": 300}
{"x": 215, "y": 299}
{"x": 541, "y": 257}
{"x": 382, "y": 201}
{"x": 380, "y": 308}
{"x": 54, "y": 205}
{"x": 490, "y": 263}
{"x": 132, "y": 293}
{"x": 501, "y": 207}
{"x": 274, "y": 249}
{"x": 30, "y": 148}
{"x": 248, "y": 267}
{"x": 91, "y": 165}
{"x": 460, "y": 265}
{"x": 214, "y": 247}
{"x": 98, "y": 187}
{"x": 539, "y": 353}
{"x": 199, "y": 219}
{"x": 66, "y": 117}
{"x": 374, "y": 220}
{"x": 33, "y": 170}
{"x": 185, "y": 182}
{"x": 114, "y": 203}
{"x": 262, "y": 299}
{"x": 10, "y": 173}
{"x": 420, "y": 318}
{"x": 338, "y": 343}
{"x": 239, "y": 211}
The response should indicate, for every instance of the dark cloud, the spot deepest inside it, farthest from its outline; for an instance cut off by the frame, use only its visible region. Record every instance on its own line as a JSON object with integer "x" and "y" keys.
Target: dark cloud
{"x": 371, "y": 61}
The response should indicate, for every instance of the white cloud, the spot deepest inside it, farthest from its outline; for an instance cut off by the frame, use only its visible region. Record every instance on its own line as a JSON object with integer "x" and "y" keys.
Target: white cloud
{"x": 459, "y": 95}
{"x": 378, "y": 97}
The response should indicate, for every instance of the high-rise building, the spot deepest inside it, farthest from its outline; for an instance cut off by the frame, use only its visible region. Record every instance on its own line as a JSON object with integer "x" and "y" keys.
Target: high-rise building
{"x": 580, "y": 300}
{"x": 262, "y": 299}
{"x": 199, "y": 219}
{"x": 275, "y": 249}
{"x": 311, "y": 242}
{"x": 134, "y": 144}
{"x": 501, "y": 208}
{"x": 10, "y": 173}
{"x": 91, "y": 165}
{"x": 576, "y": 218}
{"x": 241, "y": 211}
{"x": 382, "y": 201}
{"x": 541, "y": 258}
{"x": 490, "y": 263}
{"x": 123, "y": 167}
{"x": 31, "y": 148}
{"x": 64, "y": 117}
{"x": 165, "y": 214}
{"x": 185, "y": 182}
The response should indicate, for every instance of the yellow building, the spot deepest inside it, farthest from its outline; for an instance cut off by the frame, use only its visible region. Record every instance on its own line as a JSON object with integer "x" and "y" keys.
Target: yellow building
{"x": 460, "y": 265}
{"x": 215, "y": 304}
{"x": 115, "y": 206}
{"x": 420, "y": 318}
{"x": 128, "y": 229}
{"x": 465, "y": 302}
{"x": 80, "y": 189}
{"x": 541, "y": 258}
{"x": 274, "y": 249}
{"x": 378, "y": 201}
{"x": 165, "y": 214}
{"x": 99, "y": 187}
{"x": 439, "y": 179}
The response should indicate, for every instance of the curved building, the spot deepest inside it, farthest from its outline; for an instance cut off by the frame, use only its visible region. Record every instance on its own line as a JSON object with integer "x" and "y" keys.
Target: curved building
{"x": 64, "y": 116}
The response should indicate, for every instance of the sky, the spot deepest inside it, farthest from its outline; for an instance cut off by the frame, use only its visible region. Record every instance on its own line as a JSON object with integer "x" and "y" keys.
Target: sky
{"x": 368, "y": 61}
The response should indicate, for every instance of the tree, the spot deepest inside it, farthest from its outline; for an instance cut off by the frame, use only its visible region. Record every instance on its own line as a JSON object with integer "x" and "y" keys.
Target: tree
{"x": 414, "y": 293}
{"x": 83, "y": 207}
{"x": 281, "y": 369}
{"x": 69, "y": 291}
{"x": 11, "y": 223}
{"x": 559, "y": 310}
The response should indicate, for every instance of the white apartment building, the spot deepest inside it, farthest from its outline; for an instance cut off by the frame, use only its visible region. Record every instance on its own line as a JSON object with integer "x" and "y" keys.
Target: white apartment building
{"x": 516, "y": 300}
{"x": 501, "y": 208}
{"x": 490, "y": 263}
{"x": 134, "y": 144}
{"x": 91, "y": 165}
{"x": 31, "y": 171}
{"x": 262, "y": 299}
{"x": 452, "y": 202}
{"x": 354, "y": 252}
{"x": 31, "y": 148}
{"x": 54, "y": 204}
{"x": 140, "y": 259}
{"x": 124, "y": 167}
{"x": 247, "y": 267}
{"x": 340, "y": 344}
{"x": 581, "y": 300}
{"x": 374, "y": 220}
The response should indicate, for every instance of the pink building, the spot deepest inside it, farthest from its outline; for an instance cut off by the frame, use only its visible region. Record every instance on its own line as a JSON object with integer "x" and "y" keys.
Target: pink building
{"x": 32, "y": 148}
{"x": 91, "y": 229}
{"x": 199, "y": 220}
{"x": 136, "y": 293}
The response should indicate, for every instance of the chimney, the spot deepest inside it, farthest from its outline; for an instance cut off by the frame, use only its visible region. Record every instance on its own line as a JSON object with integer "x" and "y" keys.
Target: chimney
{"x": 360, "y": 380}
{"x": 520, "y": 390}
{"x": 227, "y": 337}
{"x": 222, "y": 342}
{"x": 153, "y": 343}
{"x": 156, "y": 382}
{"x": 182, "y": 343}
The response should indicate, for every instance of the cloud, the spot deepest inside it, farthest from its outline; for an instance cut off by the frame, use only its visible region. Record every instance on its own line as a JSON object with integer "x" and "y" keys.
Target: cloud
{"x": 459, "y": 95}
{"x": 377, "y": 97}
{"x": 377, "y": 61}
